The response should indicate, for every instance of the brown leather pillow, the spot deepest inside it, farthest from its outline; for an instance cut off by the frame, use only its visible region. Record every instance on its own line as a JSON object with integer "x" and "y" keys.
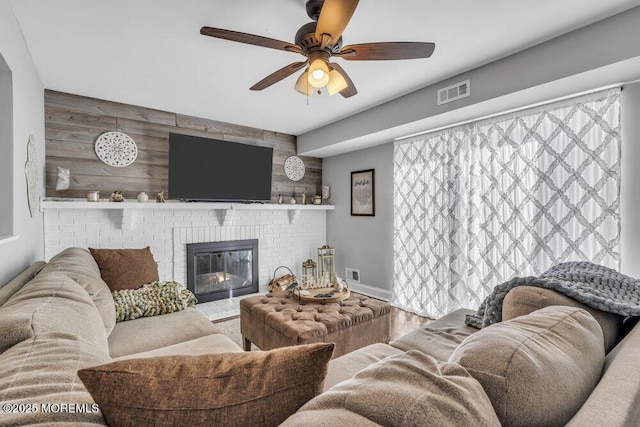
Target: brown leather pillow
{"x": 251, "y": 388}
{"x": 126, "y": 268}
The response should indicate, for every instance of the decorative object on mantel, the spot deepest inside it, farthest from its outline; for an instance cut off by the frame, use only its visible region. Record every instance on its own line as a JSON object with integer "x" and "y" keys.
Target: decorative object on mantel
{"x": 142, "y": 197}
{"x": 303, "y": 200}
{"x": 363, "y": 193}
{"x": 283, "y": 283}
{"x": 63, "y": 180}
{"x": 326, "y": 191}
{"x": 279, "y": 199}
{"x": 317, "y": 200}
{"x": 116, "y": 196}
{"x": 294, "y": 168}
{"x": 292, "y": 200}
{"x": 326, "y": 265}
{"x": 93, "y": 196}
{"x": 31, "y": 173}
{"x": 160, "y": 197}
{"x": 116, "y": 149}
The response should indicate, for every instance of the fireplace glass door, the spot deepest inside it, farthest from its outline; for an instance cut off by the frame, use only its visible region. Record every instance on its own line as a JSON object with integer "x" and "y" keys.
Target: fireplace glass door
{"x": 223, "y": 271}
{"x": 218, "y": 270}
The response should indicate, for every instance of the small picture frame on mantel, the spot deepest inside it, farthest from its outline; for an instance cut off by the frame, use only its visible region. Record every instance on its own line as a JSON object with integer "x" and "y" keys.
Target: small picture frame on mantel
{"x": 363, "y": 201}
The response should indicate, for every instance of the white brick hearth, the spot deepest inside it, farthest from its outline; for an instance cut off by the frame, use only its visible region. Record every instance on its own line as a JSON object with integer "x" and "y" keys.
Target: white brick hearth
{"x": 286, "y": 235}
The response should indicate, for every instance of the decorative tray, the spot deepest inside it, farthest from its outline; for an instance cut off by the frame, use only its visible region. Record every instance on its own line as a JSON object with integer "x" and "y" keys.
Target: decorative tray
{"x": 322, "y": 295}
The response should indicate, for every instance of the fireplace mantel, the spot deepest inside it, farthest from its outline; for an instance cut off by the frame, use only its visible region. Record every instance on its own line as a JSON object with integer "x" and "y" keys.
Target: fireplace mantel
{"x": 168, "y": 228}
{"x": 128, "y": 209}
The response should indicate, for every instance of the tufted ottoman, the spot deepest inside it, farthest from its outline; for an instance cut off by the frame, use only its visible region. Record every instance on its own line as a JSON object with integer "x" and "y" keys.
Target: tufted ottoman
{"x": 276, "y": 320}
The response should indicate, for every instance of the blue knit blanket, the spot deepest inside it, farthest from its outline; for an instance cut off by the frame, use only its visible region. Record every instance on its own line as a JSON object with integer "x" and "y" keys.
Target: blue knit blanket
{"x": 591, "y": 284}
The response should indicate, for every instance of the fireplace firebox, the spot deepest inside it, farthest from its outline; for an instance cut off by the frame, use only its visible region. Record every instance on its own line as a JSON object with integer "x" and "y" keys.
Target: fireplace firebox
{"x": 219, "y": 270}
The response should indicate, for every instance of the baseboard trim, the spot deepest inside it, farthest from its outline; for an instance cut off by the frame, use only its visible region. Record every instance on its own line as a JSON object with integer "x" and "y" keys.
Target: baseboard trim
{"x": 368, "y": 290}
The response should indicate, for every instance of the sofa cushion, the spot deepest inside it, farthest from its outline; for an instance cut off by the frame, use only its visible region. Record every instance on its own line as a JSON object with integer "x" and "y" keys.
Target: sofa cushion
{"x": 79, "y": 265}
{"x": 51, "y": 303}
{"x": 150, "y": 333}
{"x": 439, "y": 337}
{"x": 126, "y": 268}
{"x": 614, "y": 401}
{"x": 15, "y": 284}
{"x": 537, "y": 369}
{"x": 215, "y": 343}
{"x": 249, "y": 388}
{"x": 411, "y": 389}
{"x": 526, "y": 299}
{"x": 42, "y": 371}
{"x": 346, "y": 366}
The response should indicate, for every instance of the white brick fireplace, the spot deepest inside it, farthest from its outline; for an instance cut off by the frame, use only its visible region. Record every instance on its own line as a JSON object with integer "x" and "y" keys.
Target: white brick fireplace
{"x": 287, "y": 234}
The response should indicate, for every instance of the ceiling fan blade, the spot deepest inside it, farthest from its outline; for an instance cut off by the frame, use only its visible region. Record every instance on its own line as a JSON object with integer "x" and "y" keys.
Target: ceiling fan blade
{"x": 350, "y": 90}
{"x": 278, "y": 75}
{"x": 386, "y": 51}
{"x": 334, "y": 17}
{"x": 252, "y": 39}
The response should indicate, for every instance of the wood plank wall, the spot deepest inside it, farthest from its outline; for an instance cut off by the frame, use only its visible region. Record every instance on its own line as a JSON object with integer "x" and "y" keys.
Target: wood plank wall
{"x": 73, "y": 123}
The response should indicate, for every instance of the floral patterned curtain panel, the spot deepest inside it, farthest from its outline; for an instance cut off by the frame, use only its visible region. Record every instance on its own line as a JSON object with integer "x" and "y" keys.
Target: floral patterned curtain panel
{"x": 478, "y": 204}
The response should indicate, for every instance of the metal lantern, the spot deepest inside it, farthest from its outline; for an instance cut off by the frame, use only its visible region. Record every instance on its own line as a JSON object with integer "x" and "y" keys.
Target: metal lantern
{"x": 309, "y": 271}
{"x": 326, "y": 265}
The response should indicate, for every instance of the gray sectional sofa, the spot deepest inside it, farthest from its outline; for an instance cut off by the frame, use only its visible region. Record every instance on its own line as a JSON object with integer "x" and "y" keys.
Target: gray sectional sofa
{"x": 58, "y": 317}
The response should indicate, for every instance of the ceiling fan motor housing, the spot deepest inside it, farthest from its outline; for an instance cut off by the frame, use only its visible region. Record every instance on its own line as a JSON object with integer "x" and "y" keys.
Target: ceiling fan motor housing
{"x": 306, "y": 39}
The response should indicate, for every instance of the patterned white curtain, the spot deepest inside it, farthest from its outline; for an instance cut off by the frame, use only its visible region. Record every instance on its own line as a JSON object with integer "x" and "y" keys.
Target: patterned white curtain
{"x": 478, "y": 204}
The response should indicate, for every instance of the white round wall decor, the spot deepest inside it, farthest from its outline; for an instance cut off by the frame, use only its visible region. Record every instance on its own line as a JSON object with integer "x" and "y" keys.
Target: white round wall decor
{"x": 116, "y": 149}
{"x": 294, "y": 168}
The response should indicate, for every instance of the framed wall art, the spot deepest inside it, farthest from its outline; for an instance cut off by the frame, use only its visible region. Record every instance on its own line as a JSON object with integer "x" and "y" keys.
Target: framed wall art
{"x": 363, "y": 195}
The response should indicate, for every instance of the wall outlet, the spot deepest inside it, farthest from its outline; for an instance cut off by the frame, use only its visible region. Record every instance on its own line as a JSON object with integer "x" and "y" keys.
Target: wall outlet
{"x": 352, "y": 274}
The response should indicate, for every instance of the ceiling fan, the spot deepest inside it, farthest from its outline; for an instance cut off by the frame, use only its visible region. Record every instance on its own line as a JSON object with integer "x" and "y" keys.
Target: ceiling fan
{"x": 319, "y": 41}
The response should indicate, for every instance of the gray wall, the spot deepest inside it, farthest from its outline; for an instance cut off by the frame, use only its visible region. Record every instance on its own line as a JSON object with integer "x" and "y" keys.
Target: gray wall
{"x": 6, "y": 160}
{"x": 367, "y": 243}
{"x": 600, "y": 54}
{"x": 362, "y": 242}
{"x": 630, "y": 189}
{"x": 534, "y": 75}
{"x": 28, "y": 118}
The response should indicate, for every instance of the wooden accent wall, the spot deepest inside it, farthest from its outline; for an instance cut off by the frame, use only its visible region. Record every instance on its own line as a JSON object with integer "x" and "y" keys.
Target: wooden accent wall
{"x": 73, "y": 123}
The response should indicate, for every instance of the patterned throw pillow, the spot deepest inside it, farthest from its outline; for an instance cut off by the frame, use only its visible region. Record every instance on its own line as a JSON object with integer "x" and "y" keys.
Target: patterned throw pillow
{"x": 152, "y": 299}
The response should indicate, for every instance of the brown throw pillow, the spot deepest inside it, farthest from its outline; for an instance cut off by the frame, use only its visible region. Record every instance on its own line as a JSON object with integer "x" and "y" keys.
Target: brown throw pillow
{"x": 411, "y": 389}
{"x": 537, "y": 369}
{"x": 527, "y": 299}
{"x": 126, "y": 268}
{"x": 234, "y": 389}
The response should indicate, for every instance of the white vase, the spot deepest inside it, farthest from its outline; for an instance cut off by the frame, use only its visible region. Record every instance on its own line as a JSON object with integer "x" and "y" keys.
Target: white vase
{"x": 142, "y": 197}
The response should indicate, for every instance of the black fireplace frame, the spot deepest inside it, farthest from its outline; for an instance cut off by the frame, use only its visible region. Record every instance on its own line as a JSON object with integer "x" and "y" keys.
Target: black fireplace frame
{"x": 194, "y": 249}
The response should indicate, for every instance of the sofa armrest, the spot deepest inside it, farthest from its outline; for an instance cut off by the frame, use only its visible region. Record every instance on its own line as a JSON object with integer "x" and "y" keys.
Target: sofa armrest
{"x": 438, "y": 338}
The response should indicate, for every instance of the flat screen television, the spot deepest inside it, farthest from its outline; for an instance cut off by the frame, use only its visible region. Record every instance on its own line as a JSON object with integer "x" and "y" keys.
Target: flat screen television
{"x": 203, "y": 169}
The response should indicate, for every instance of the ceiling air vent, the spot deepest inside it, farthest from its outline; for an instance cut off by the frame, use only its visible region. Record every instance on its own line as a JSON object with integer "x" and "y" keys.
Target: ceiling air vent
{"x": 453, "y": 92}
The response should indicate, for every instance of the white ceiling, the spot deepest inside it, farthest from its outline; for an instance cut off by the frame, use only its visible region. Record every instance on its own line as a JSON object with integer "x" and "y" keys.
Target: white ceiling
{"x": 150, "y": 52}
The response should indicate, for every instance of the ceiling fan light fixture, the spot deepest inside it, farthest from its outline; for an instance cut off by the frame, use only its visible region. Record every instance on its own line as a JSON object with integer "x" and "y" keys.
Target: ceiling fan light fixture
{"x": 318, "y": 73}
{"x": 302, "y": 84}
{"x": 336, "y": 82}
